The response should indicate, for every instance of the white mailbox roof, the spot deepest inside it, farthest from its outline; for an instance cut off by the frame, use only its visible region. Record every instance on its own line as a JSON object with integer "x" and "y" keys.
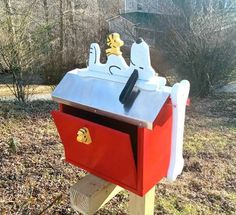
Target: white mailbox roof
{"x": 102, "y": 96}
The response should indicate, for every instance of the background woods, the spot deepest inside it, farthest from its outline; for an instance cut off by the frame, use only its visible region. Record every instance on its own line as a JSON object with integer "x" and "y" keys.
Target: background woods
{"x": 204, "y": 50}
{"x": 190, "y": 39}
{"x": 41, "y": 39}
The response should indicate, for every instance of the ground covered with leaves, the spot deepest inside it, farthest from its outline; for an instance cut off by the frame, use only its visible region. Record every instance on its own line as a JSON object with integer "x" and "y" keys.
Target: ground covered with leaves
{"x": 34, "y": 179}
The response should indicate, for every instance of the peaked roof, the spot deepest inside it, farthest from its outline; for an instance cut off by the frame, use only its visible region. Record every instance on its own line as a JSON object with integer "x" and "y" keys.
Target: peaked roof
{"x": 102, "y": 96}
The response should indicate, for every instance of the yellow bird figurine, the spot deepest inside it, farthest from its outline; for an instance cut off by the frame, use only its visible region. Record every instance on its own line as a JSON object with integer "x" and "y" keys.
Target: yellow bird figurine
{"x": 114, "y": 42}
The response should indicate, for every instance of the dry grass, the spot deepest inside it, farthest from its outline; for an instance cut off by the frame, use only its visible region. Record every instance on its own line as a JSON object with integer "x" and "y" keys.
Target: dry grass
{"x": 35, "y": 89}
{"x": 33, "y": 173}
{"x": 207, "y": 185}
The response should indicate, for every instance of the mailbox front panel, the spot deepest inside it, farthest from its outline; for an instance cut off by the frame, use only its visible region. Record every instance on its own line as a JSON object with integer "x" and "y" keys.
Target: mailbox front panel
{"x": 108, "y": 153}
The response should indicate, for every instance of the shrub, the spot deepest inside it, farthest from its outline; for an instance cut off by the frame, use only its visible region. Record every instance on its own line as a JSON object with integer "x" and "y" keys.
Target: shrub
{"x": 203, "y": 51}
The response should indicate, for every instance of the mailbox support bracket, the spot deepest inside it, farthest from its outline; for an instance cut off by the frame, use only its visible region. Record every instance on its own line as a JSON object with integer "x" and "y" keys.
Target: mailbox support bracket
{"x": 91, "y": 193}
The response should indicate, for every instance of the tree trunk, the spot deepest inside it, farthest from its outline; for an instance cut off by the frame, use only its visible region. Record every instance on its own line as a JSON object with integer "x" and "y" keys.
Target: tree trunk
{"x": 9, "y": 12}
{"x": 48, "y": 33}
{"x": 11, "y": 29}
{"x": 61, "y": 31}
{"x": 14, "y": 61}
{"x": 71, "y": 9}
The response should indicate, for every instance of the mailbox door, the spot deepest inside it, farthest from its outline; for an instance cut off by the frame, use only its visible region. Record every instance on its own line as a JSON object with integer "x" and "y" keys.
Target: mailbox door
{"x": 109, "y": 155}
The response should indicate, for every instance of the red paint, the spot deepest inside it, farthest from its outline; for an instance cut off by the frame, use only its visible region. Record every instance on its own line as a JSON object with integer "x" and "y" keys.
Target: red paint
{"x": 188, "y": 102}
{"x": 154, "y": 151}
{"x": 110, "y": 154}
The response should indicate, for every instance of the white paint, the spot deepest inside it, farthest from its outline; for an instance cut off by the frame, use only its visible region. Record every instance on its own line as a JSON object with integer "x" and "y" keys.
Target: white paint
{"x": 116, "y": 68}
{"x": 94, "y": 57}
{"x": 179, "y": 96}
{"x": 140, "y": 60}
{"x": 113, "y": 61}
{"x": 112, "y": 64}
{"x": 153, "y": 85}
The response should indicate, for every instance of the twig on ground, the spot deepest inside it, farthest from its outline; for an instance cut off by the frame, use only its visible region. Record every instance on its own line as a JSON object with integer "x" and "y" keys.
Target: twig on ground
{"x": 51, "y": 204}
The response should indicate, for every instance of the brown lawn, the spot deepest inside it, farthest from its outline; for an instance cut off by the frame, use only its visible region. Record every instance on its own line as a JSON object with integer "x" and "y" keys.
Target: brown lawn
{"x": 33, "y": 173}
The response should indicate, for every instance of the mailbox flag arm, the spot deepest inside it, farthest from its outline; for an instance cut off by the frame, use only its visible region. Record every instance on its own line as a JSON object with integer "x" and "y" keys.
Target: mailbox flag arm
{"x": 129, "y": 86}
{"x": 179, "y": 96}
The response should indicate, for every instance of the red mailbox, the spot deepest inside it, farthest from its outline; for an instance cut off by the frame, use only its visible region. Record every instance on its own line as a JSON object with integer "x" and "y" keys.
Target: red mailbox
{"x": 120, "y": 122}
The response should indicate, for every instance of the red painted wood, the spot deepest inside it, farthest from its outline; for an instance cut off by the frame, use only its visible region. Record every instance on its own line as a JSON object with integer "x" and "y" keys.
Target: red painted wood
{"x": 188, "y": 102}
{"x": 154, "y": 151}
{"x": 109, "y": 156}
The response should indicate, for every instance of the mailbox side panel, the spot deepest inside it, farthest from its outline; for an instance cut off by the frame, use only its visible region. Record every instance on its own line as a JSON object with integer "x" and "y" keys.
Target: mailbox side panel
{"x": 154, "y": 151}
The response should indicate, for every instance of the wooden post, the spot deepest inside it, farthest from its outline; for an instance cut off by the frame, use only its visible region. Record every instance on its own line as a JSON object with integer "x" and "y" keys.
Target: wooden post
{"x": 90, "y": 193}
{"x": 142, "y": 205}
